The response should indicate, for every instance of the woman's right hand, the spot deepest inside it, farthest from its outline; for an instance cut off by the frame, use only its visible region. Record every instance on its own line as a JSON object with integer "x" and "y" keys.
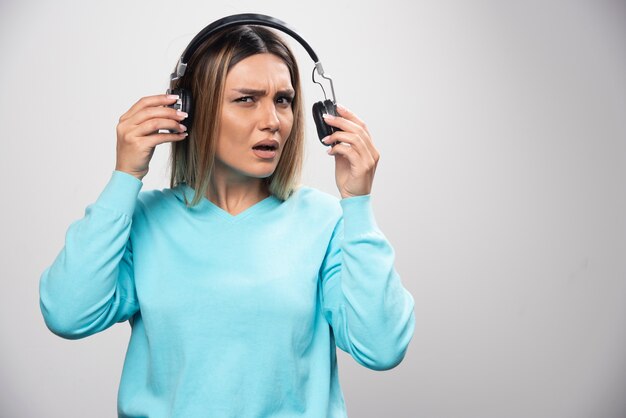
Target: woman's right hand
{"x": 138, "y": 132}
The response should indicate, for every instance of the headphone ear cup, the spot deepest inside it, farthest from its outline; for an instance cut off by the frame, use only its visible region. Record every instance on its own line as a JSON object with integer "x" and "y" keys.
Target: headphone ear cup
{"x": 319, "y": 109}
{"x": 331, "y": 108}
{"x": 184, "y": 104}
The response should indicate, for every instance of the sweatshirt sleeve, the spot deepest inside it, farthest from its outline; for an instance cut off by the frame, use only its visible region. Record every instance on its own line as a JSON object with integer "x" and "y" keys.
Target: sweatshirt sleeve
{"x": 90, "y": 284}
{"x": 363, "y": 299}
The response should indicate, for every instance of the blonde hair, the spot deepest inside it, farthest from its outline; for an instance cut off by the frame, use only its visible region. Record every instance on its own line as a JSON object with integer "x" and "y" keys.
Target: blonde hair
{"x": 192, "y": 160}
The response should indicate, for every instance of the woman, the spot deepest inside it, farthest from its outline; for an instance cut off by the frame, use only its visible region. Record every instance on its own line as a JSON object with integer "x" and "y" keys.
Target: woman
{"x": 238, "y": 284}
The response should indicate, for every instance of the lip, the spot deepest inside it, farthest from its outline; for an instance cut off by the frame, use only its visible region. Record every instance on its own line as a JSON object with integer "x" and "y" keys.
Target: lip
{"x": 269, "y": 142}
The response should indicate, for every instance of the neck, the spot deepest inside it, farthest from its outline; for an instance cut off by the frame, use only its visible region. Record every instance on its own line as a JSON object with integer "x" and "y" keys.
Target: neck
{"x": 235, "y": 194}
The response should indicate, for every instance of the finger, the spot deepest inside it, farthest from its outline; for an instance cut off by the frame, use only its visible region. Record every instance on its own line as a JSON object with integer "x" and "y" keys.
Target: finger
{"x": 152, "y": 126}
{"x": 356, "y": 155}
{"x": 346, "y": 138}
{"x": 365, "y": 149}
{"x": 344, "y": 112}
{"x": 351, "y": 126}
{"x": 349, "y": 153}
{"x": 156, "y": 112}
{"x": 156, "y": 100}
{"x": 344, "y": 124}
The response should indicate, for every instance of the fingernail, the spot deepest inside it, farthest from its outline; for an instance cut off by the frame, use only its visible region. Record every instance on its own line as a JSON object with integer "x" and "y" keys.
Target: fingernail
{"x": 342, "y": 107}
{"x": 327, "y": 116}
{"x": 182, "y": 127}
{"x": 325, "y": 139}
{"x": 173, "y": 96}
{"x": 183, "y": 114}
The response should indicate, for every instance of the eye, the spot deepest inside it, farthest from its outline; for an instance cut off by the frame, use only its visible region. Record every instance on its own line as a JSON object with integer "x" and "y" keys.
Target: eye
{"x": 284, "y": 100}
{"x": 245, "y": 99}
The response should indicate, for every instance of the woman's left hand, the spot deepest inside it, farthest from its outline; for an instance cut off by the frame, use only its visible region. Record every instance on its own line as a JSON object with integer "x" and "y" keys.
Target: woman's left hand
{"x": 355, "y": 157}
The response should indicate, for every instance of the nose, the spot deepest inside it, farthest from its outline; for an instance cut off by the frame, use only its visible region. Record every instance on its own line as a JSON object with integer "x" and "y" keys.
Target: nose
{"x": 269, "y": 118}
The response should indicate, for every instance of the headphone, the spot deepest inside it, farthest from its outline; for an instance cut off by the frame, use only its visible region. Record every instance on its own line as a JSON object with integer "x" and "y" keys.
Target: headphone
{"x": 185, "y": 99}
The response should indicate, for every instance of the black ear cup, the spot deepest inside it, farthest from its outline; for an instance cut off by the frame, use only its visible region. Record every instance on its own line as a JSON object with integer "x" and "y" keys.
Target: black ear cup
{"x": 184, "y": 104}
{"x": 319, "y": 109}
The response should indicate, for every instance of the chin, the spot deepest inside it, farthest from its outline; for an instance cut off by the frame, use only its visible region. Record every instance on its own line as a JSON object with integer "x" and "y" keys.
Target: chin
{"x": 261, "y": 172}
{"x": 264, "y": 170}
{"x": 265, "y": 174}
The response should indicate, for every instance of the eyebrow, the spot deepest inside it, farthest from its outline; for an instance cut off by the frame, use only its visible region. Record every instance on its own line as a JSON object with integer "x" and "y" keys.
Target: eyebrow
{"x": 253, "y": 92}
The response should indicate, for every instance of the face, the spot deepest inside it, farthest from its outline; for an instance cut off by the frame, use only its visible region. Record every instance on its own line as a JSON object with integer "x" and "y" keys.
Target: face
{"x": 256, "y": 108}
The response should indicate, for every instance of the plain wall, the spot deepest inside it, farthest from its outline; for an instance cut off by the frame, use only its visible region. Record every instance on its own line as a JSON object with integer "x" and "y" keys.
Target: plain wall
{"x": 501, "y": 185}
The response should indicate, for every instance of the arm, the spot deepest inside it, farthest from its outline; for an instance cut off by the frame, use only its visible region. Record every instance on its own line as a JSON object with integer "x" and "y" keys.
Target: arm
{"x": 363, "y": 299}
{"x": 90, "y": 285}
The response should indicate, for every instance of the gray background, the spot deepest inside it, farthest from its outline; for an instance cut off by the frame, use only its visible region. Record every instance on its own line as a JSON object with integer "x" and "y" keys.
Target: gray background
{"x": 501, "y": 127}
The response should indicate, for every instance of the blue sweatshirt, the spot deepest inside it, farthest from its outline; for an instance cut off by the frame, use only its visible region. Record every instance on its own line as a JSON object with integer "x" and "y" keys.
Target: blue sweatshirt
{"x": 231, "y": 315}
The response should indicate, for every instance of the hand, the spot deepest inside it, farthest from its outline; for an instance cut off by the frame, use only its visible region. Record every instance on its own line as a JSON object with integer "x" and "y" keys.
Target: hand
{"x": 138, "y": 132}
{"x": 356, "y": 157}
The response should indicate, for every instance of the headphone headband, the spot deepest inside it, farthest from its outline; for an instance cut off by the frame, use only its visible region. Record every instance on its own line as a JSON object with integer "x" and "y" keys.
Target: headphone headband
{"x": 185, "y": 99}
{"x": 241, "y": 19}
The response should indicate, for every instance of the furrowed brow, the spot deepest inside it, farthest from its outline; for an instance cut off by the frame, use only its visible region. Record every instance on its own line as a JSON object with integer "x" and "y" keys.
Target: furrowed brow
{"x": 286, "y": 92}
{"x": 251, "y": 92}
{"x": 254, "y": 92}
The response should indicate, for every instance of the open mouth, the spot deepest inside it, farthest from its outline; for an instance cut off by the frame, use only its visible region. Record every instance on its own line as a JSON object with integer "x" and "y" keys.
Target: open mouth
{"x": 265, "y": 147}
{"x": 265, "y": 151}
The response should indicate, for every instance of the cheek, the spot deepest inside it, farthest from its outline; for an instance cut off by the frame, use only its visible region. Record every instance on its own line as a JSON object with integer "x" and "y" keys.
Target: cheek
{"x": 232, "y": 130}
{"x": 286, "y": 125}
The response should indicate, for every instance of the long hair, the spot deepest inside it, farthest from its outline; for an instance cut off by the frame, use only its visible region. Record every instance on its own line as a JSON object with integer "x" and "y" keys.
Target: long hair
{"x": 192, "y": 160}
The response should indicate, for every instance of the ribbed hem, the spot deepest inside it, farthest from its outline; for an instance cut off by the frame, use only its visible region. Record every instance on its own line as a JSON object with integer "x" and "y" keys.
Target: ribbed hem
{"x": 358, "y": 215}
{"x": 121, "y": 193}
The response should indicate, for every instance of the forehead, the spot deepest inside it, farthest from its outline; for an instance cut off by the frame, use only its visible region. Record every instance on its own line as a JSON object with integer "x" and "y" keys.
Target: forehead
{"x": 259, "y": 70}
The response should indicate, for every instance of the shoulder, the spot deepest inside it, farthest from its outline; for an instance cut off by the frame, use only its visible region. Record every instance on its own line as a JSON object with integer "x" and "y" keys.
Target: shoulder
{"x": 149, "y": 198}
{"x": 156, "y": 201}
{"x": 310, "y": 193}
{"x": 309, "y": 199}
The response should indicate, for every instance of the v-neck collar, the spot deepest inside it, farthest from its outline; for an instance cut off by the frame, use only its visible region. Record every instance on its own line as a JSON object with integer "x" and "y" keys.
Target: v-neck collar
{"x": 205, "y": 205}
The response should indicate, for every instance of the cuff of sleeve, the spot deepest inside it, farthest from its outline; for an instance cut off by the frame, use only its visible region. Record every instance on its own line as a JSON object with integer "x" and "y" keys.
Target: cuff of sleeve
{"x": 358, "y": 215}
{"x": 121, "y": 193}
